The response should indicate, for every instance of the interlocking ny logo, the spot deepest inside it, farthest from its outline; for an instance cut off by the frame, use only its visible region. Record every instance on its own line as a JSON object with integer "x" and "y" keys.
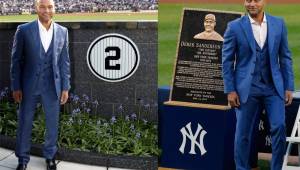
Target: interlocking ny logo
{"x": 187, "y": 132}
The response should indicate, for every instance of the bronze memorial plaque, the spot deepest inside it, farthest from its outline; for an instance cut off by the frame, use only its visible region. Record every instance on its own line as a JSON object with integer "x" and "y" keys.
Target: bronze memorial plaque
{"x": 197, "y": 79}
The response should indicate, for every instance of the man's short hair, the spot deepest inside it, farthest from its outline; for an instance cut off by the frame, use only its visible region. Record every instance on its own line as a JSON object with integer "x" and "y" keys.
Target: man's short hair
{"x": 210, "y": 17}
{"x": 37, "y": 1}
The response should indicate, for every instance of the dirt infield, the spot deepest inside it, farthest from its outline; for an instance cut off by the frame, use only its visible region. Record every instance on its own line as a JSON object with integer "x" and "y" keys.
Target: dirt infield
{"x": 225, "y": 1}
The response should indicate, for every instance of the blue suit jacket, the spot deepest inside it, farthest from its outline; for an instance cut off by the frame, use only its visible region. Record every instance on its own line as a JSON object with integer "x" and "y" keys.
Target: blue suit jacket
{"x": 25, "y": 58}
{"x": 239, "y": 56}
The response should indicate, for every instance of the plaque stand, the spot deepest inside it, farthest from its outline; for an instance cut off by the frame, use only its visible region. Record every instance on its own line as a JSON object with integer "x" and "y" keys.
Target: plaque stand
{"x": 197, "y": 105}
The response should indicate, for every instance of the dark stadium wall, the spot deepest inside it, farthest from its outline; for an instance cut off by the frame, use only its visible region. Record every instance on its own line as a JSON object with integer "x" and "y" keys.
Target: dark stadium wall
{"x": 137, "y": 93}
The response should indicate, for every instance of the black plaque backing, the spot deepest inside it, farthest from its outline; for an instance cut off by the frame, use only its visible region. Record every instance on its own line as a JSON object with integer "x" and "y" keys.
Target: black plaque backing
{"x": 197, "y": 75}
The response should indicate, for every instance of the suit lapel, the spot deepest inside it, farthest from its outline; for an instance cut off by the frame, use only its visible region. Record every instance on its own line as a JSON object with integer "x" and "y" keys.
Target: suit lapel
{"x": 36, "y": 36}
{"x": 245, "y": 23}
{"x": 271, "y": 33}
{"x": 54, "y": 42}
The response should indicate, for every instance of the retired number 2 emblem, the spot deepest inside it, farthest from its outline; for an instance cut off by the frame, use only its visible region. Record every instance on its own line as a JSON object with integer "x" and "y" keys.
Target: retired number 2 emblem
{"x": 113, "y": 57}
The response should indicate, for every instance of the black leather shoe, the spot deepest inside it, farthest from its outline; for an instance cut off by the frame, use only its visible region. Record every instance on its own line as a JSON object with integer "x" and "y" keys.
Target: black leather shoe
{"x": 21, "y": 167}
{"x": 51, "y": 165}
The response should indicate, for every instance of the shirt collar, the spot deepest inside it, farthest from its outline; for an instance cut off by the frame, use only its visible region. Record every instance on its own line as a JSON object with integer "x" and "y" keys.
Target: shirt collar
{"x": 42, "y": 28}
{"x": 252, "y": 21}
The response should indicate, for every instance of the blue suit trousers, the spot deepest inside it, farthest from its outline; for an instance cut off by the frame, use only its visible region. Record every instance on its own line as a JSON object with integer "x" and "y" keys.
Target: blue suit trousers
{"x": 51, "y": 105}
{"x": 247, "y": 115}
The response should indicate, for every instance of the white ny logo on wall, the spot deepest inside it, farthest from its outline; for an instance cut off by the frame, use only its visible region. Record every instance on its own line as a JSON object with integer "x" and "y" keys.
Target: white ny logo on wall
{"x": 187, "y": 132}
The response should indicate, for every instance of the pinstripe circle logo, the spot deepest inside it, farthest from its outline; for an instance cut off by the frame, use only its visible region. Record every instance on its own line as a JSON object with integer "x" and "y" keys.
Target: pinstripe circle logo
{"x": 113, "y": 57}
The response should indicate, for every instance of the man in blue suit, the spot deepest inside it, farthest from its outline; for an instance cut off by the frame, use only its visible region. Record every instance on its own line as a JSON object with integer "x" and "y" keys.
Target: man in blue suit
{"x": 40, "y": 72}
{"x": 258, "y": 73}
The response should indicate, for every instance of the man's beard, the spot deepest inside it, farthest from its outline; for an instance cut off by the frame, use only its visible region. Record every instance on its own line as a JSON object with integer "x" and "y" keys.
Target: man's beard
{"x": 253, "y": 14}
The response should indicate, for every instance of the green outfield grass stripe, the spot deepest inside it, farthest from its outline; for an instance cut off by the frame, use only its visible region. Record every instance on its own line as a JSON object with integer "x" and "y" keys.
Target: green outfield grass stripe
{"x": 86, "y": 17}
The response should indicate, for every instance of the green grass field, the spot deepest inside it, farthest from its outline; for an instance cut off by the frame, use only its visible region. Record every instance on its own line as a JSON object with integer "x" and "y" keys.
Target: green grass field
{"x": 169, "y": 20}
{"x": 86, "y": 17}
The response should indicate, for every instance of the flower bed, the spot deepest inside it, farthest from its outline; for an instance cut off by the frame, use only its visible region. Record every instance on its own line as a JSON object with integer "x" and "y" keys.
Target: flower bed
{"x": 82, "y": 131}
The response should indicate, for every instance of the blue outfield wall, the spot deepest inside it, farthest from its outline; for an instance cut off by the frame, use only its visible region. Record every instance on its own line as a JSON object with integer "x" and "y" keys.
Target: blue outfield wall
{"x": 218, "y": 128}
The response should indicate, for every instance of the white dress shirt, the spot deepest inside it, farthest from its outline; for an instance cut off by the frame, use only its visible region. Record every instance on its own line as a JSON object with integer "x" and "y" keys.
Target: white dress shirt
{"x": 259, "y": 31}
{"x": 45, "y": 35}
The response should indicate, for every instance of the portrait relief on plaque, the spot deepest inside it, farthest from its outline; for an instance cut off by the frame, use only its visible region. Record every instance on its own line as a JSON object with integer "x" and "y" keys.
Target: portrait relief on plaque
{"x": 209, "y": 32}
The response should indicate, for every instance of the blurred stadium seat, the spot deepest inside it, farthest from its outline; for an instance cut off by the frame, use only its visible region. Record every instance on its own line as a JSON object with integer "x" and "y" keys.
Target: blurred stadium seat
{"x": 13, "y": 7}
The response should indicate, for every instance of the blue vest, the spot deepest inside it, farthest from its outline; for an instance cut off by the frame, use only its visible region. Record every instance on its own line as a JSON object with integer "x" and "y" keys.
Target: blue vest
{"x": 262, "y": 82}
{"x": 45, "y": 81}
